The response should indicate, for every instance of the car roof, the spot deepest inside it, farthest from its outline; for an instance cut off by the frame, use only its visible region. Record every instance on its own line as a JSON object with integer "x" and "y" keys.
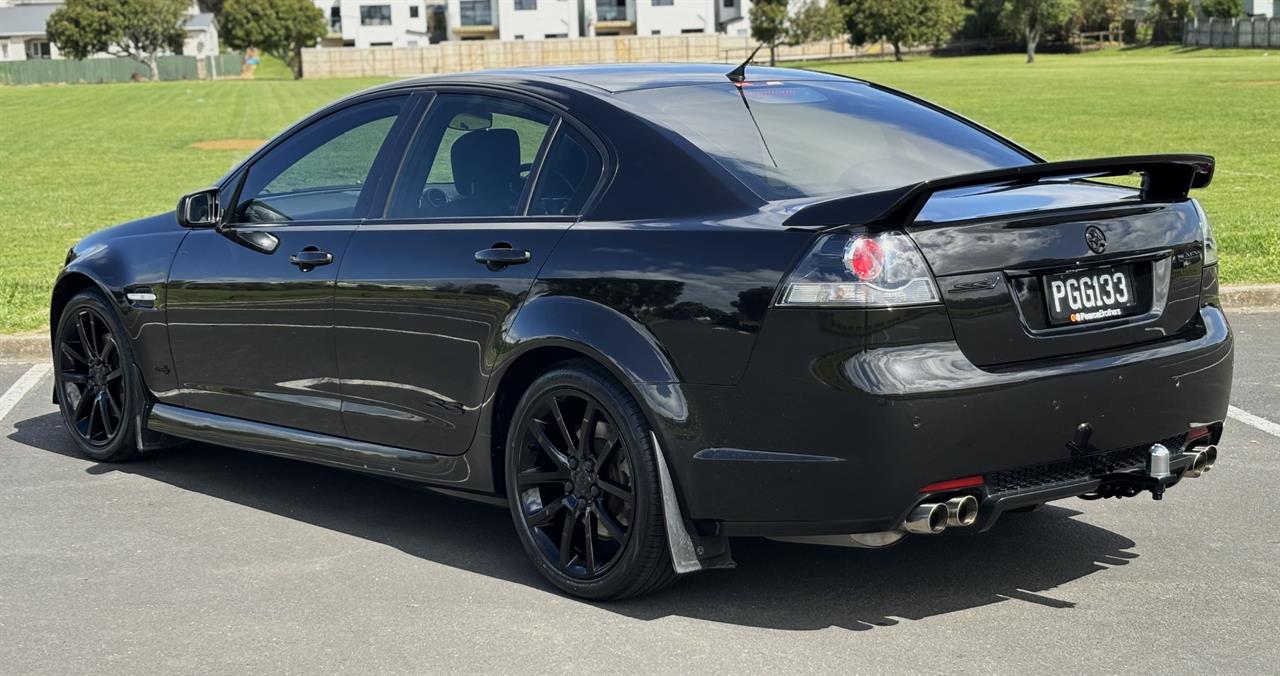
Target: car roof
{"x": 614, "y": 78}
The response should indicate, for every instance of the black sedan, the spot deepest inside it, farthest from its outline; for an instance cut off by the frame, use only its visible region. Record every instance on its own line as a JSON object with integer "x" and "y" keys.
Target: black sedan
{"x": 653, "y": 308}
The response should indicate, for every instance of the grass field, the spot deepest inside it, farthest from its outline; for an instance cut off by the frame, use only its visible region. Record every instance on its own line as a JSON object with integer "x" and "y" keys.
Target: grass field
{"x": 77, "y": 158}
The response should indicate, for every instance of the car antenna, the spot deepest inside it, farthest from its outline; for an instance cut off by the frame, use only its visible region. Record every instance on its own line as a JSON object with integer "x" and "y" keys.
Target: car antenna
{"x": 739, "y": 74}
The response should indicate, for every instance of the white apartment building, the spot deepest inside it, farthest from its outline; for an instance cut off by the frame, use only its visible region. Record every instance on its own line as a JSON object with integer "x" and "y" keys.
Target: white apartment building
{"x": 733, "y": 17}
{"x": 381, "y": 23}
{"x": 649, "y": 17}
{"x": 513, "y": 19}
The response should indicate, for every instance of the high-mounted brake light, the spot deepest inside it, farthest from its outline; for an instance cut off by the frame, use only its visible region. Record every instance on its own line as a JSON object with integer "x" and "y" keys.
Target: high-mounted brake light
{"x": 861, "y": 270}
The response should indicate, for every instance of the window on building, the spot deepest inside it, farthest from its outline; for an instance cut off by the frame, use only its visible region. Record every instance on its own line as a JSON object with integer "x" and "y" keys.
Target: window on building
{"x": 526, "y": 4}
{"x": 691, "y": 30}
{"x": 655, "y": 32}
{"x": 520, "y": 37}
{"x": 414, "y": 11}
{"x": 39, "y": 49}
{"x": 661, "y": 3}
{"x": 475, "y": 13}
{"x": 730, "y": 3}
{"x": 335, "y": 19}
{"x": 554, "y": 36}
{"x": 375, "y": 15}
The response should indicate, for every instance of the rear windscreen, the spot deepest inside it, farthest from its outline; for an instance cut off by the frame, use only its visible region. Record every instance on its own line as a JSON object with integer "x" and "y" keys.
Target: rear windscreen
{"x": 812, "y": 138}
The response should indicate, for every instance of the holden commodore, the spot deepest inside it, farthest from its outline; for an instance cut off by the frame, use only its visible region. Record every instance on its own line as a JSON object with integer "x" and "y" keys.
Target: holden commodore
{"x": 654, "y": 308}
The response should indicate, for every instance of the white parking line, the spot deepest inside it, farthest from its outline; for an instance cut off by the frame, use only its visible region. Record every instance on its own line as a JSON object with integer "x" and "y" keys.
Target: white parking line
{"x": 1254, "y": 421}
{"x": 28, "y": 380}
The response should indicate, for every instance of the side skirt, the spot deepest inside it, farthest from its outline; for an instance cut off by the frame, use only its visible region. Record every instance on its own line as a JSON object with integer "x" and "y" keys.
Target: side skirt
{"x": 309, "y": 446}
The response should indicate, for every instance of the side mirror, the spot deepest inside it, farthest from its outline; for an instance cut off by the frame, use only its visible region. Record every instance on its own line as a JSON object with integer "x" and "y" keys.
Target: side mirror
{"x": 200, "y": 209}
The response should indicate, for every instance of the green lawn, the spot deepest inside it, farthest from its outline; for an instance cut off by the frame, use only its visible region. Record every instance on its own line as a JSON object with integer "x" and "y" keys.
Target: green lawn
{"x": 77, "y": 158}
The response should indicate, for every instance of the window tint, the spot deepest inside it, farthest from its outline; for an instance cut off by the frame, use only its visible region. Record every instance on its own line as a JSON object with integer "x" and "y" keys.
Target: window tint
{"x": 567, "y": 177}
{"x": 320, "y": 172}
{"x": 471, "y": 157}
{"x": 797, "y": 139}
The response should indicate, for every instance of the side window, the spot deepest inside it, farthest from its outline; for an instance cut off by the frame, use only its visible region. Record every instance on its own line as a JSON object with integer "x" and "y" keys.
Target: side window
{"x": 320, "y": 172}
{"x": 471, "y": 157}
{"x": 568, "y": 175}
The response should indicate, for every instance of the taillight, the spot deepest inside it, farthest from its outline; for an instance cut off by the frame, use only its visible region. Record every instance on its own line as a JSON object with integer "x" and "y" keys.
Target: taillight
{"x": 1206, "y": 233}
{"x": 861, "y": 270}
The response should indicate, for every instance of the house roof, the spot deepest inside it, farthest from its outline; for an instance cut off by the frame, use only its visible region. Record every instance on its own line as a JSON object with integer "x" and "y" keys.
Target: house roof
{"x": 21, "y": 20}
{"x": 198, "y": 22}
{"x": 26, "y": 19}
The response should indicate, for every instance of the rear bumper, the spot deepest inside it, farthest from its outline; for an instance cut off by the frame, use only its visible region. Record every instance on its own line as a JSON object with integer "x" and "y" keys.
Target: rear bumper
{"x": 844, "y": 442}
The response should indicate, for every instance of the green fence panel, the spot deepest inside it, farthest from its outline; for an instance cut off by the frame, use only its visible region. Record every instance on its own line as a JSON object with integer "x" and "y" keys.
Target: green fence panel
{"x": 48, "y": 71}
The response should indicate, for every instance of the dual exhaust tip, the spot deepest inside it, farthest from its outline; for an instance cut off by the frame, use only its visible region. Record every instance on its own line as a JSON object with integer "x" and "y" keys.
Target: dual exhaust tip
{"x": 1203, "y": 461}
{"x": 931, "y": 518}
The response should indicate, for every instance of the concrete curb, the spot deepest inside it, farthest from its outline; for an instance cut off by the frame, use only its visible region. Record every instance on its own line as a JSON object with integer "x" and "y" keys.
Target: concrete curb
{"x": 1251, "y": 297}
{"x": 28, "y": 347}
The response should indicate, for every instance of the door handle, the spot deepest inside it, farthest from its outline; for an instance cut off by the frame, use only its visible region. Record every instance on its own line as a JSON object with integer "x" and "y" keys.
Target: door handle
{"x": 501, "y": 256}
{"x": 311, "y": 258}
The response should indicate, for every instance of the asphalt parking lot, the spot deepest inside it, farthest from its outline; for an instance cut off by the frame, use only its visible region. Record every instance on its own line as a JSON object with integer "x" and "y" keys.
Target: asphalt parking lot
{"x": 211, "y": 560}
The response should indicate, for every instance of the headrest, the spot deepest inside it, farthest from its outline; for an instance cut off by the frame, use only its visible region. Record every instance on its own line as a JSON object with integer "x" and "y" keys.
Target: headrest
{"x": 486, "y": 161}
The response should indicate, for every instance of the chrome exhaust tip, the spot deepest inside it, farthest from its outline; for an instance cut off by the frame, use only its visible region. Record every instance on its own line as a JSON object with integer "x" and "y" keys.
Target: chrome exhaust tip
{"x": 929, "y": 518}
{"x": 1197, "y": 465}
{"x": 962, "y": 511}
{"x": 1210, "y": 456}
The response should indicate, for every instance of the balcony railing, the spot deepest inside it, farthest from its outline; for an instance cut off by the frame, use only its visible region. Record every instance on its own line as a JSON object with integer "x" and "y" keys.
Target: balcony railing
{"x": 476, "y": 12}
{"x": 611, "y": 11}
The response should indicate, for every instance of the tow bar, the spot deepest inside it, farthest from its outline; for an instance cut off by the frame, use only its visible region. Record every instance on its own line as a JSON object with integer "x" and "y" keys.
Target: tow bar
{"x": 1158, "y": 475}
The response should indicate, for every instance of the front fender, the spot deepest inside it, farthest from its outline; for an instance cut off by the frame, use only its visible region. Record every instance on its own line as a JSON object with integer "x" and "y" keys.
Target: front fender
{"x": 131, "y": 258}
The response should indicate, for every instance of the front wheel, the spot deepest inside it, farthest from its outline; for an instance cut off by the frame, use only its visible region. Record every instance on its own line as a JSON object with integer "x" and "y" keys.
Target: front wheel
{"x": 582, "y": 481}
{"x": 96, "y": 380}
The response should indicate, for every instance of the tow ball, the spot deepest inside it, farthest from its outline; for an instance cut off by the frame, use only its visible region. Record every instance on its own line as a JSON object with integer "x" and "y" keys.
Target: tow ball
{"x": 1157, "y": 476}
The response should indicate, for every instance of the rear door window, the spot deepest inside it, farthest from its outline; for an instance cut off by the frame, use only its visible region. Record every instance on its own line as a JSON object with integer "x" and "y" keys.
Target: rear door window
{"x": 472, "y": 157}
{"x": 568, "y": 175}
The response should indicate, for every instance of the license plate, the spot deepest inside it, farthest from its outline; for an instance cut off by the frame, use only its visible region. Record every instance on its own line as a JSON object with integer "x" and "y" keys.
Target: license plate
{"x": 1090, "y": 295}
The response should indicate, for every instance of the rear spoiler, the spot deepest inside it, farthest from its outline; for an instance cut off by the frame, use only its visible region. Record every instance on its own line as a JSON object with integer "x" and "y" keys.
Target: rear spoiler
{"x": 1165, "y": 178}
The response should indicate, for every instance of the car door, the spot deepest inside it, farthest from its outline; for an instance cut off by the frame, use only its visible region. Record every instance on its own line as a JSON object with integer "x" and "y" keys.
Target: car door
{"x": 476, "y": 208}
{"x": 250, "y": 304}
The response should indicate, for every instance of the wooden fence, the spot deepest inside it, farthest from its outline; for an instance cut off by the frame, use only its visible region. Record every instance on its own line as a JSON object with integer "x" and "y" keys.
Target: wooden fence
{"x": 49, "y": 71}
{"x": 1247, "y": 32}
{"x": 468, "y": 55}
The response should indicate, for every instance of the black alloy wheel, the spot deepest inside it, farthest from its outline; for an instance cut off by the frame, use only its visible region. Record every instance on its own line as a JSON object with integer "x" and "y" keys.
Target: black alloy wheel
{"x": 583, "y": 486}
{"x": 574, "y": 483}
{"x": 95, "y": 384}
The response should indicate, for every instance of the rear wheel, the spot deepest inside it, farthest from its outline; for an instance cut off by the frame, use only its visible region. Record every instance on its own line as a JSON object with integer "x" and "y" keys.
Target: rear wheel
{"x": 583, "y": 484}
{"x": 96, "y": 380}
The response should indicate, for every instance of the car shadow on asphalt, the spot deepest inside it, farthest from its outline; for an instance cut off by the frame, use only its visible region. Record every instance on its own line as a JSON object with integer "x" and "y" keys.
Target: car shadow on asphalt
{"x": 776, "y": 585}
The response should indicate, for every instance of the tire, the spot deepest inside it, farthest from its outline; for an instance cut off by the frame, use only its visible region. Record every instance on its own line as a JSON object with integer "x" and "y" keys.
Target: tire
{"x": 605, "y": 492}
{"x": 99, "y": 392}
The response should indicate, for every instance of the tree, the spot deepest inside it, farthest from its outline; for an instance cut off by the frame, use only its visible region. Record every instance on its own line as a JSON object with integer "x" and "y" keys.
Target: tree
{"x": 1166, "y": 10}
{"x": 770, "y": 25}
{"x": 815, "y": 21}
{"x": 1099, "y": 15}
{"x": 903, "y": 22}
{"x": 1031, "y": 18}
{"x": 1222, "y": 9}
{"x": 136, "y": 29}
{"x": 280, "y": 28}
